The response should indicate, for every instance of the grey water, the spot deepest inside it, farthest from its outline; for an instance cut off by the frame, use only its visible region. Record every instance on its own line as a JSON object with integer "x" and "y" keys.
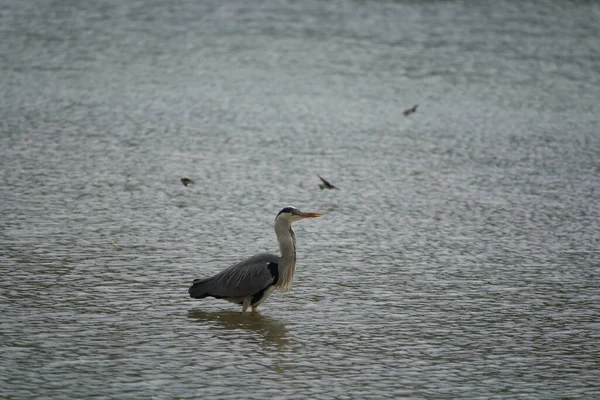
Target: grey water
{"x": 459, "y": 260}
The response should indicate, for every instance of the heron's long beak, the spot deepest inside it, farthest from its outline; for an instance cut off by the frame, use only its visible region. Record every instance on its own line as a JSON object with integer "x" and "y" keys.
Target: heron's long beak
{"x": 310, "y": 215}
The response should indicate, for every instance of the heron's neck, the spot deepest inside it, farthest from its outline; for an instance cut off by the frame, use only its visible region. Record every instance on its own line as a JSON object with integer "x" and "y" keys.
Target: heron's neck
{"x": 287, "y": 246}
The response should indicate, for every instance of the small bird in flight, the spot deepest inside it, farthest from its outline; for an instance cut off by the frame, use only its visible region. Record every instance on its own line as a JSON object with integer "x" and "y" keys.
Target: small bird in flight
{"x": 409, "y": 111}
{"x": 326, "y": 185}
{"x": 187, "y": 181}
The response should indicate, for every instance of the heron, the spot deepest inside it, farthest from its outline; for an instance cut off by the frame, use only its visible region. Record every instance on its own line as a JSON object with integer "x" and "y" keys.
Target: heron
{"x": 411, "y": 110}
{"x": 325, "y": 184}
{"x": 251, "y": 281}
{"x": 187, "y": 181}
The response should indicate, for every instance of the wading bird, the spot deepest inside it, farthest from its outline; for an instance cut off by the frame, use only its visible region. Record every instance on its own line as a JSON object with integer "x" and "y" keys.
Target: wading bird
{"x": 409, "y": 111}
{"x": 251, "y": 281}
{"x": 187, "y": 181}
{"x": 325, "y": 184}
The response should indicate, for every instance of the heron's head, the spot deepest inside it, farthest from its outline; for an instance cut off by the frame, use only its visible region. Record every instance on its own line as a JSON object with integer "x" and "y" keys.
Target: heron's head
{"x": 292, "y": 214}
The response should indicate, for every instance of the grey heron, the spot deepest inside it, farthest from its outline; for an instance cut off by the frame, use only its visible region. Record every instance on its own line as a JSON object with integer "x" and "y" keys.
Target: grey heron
{"x": 187, "y": 181}
{"x": 411, "y": 110}
{"x": 251, "y": 281}
{"x": 325, "y": 184}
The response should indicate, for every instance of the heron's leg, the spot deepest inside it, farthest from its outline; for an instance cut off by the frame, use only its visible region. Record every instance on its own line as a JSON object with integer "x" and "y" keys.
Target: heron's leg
{"x": 245, "y": 304}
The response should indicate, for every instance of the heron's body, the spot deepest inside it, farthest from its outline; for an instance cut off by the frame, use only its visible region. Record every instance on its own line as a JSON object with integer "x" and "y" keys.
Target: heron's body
{"x": 251, "y": 281}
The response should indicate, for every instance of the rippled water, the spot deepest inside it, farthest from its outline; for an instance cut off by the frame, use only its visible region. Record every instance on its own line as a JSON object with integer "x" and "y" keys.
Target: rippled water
{"x": 460, "y": 259}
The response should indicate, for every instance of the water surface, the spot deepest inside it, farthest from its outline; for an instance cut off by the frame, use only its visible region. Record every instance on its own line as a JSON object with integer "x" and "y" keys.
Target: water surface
{"x": 459, "y": 259}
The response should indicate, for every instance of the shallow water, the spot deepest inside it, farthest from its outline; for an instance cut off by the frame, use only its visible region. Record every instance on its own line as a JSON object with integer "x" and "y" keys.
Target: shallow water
{"x": 459, "y": 259}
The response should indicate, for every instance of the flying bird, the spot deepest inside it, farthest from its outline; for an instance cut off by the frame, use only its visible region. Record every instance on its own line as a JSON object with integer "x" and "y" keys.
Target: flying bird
{"x": 251, "y": 281}
{"x": 187, "y": 181}
{"x": 325, "y": 184}
{"x": 409, "y": 111}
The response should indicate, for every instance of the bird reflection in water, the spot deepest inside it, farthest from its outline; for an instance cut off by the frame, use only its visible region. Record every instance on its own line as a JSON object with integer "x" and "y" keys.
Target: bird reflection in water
{"x": 272, "y": 331}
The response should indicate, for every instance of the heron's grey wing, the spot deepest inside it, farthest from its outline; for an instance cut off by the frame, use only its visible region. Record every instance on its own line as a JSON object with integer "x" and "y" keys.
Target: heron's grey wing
{"x": 245, "y": 278}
